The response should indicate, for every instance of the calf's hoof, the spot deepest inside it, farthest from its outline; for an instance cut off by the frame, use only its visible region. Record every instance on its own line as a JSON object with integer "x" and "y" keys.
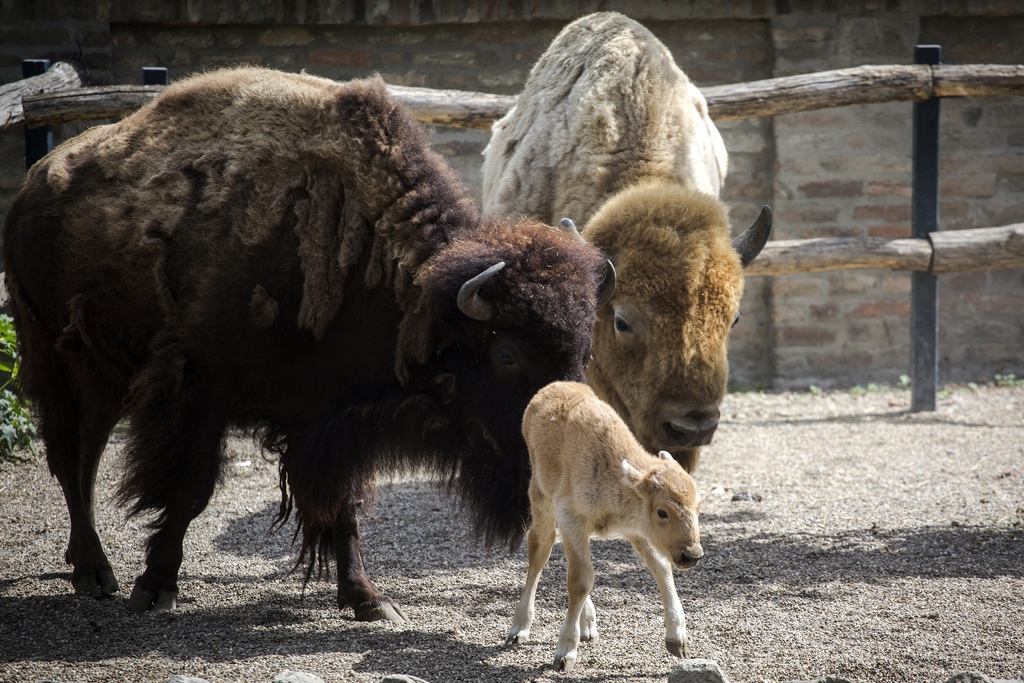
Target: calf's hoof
{"x": 146, "y": 600}
{"x": 518, "y": 636}
{"x": 98, "y": 582}
{"x": 380, "y": 610}
{"x": 676, "y": 648}
{"x": 565, "y": 662}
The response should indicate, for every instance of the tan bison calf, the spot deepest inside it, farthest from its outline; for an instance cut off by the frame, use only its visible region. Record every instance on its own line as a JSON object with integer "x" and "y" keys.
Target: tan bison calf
{"x": 590, "y": 477}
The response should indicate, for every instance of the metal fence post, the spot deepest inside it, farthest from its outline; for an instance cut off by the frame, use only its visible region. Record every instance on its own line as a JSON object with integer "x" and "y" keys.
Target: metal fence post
{"x": 924, "y": 290}
{"x": 154, "y": 75}
{"x": 38, "y": 141}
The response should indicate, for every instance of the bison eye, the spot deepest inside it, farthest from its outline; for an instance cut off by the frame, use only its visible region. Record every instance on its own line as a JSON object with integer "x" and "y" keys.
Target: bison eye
{"x": 662, "y": 514}
{"x": 621, "y": 325}
{"x": 506, "y": 358}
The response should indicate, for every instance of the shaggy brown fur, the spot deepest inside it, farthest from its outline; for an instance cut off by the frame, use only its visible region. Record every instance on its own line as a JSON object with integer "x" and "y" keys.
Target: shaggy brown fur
{"x": 281, "y": 252}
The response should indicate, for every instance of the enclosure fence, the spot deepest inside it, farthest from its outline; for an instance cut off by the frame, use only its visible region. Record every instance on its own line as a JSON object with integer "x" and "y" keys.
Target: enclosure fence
{"x": 50, "y": 96}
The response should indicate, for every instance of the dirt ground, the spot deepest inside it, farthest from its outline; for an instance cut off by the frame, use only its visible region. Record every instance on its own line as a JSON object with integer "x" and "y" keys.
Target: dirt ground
{"x": 874, "y": 544}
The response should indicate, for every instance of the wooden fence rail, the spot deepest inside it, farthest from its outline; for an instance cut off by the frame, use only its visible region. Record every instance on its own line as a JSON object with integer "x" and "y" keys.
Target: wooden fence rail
{"x": 58, "y": 97}
{"x": 62, "y": 103}
{"x": 954, "y": 251}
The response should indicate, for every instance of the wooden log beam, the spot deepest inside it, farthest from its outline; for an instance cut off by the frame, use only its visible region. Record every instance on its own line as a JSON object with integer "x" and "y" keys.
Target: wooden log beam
{"x": 862, "y": 85}
{"x": 458, "y": 108}
{"x": 466, "y": 109}
{"x": 87, "y": 104}
{"x": 953, "y": 251}
{"x": 61, "y": 77}
{"x": 786, "y": 257}
{"x": 958, "y": 251}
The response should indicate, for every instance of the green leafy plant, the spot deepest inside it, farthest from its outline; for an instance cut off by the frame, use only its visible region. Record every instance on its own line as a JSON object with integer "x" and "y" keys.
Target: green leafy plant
{"x": 17, "y": 430}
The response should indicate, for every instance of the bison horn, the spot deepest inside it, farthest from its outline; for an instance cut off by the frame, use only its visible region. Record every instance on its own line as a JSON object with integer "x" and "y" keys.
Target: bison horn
{"x": 607, "y": 286}
{"x": 570, "y": 227}
{"x": 753, "y": 239}
{"x": 469, "y": 300}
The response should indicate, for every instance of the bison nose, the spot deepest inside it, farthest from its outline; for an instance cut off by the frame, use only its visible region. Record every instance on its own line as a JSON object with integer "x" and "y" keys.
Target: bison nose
{"x": 688, "y": 428}
{"x": 689, "y": 556}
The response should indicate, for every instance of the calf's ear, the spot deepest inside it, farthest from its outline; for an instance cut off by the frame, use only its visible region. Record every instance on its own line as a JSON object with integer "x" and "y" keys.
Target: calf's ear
{"x": 631, "y": 476}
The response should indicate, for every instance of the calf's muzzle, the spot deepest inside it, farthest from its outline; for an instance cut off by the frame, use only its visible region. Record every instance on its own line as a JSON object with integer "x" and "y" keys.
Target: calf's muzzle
{"x": 688, "y": 557}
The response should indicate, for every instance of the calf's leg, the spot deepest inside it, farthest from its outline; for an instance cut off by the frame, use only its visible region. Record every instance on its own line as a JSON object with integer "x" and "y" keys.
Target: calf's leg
{"x": 675, "y": 619}
{"x": 576, "y": 544}
{"x": 539, "y": 541}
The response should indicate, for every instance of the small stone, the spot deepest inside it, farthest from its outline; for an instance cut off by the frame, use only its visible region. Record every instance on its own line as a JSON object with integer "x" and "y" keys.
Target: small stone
{"x": 697, "y": 671}
{"x": 969, "y": 676}
{"x": 401, "y": 678}
{"x": 287, "y": 676}
{"x": 179, "y": 678}
{"x": 746, "y": 496}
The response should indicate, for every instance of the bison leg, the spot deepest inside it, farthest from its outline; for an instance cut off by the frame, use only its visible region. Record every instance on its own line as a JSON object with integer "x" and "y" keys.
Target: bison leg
{"x": 539, "y": 541}
{"x": 580, "y": 582}
{"x": 174, "y": 464}
{"x": 355, "y": 588}
{"x": 675, "y": 618}
{"x": 74, "y": 444}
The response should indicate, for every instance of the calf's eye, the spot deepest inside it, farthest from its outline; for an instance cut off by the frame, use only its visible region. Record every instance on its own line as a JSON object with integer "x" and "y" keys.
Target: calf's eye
{"x": 662, "y": 514}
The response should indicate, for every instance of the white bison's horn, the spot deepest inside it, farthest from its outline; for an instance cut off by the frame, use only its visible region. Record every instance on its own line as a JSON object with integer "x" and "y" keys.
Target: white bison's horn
{"x": 753, "y": 239}
{"x": 607, "y": 286}
{"x": 570, "y": 227}
{"x": 469, "y": 300}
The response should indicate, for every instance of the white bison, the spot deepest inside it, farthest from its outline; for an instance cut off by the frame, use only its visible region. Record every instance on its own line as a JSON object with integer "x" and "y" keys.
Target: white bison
{"x": 608, "y": 131}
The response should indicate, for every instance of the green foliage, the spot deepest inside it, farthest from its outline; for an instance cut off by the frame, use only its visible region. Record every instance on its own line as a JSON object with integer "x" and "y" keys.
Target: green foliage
{"x": 16, "y": 427}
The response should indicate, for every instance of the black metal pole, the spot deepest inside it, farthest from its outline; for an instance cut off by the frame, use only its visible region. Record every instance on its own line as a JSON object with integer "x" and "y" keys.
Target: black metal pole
{"x": 38, "y": 141}
{"x": 924, "y": 289}
{"x": 154, "y": 75}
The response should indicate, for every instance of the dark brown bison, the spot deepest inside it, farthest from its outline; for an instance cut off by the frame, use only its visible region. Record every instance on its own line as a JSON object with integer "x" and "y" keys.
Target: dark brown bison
{"x": 283, "y": 253}
{"x": 608, "y": 131}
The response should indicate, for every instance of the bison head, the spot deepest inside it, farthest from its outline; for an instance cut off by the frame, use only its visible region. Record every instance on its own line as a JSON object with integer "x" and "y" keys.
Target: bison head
{"x": 500, "y": 316}
{"x": 659, "y": 353}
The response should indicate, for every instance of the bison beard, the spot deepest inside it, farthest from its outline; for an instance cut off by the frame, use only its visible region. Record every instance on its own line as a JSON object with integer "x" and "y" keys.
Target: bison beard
{"x": 285, "y": 254}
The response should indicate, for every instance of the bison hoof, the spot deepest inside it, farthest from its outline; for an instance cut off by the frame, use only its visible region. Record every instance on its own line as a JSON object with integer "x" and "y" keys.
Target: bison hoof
{"x": 145, "y": 600}
{"x": 676, "y": 648}
{"x": 95, "y": 584}
{"x": 380, "y": 610}
{"x": 517, "y": 637}
{"x": 566, "y": 662}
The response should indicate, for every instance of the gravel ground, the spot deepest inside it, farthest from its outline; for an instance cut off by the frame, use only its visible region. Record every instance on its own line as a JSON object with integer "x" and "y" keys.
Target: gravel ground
{"x": 875, "y": 544}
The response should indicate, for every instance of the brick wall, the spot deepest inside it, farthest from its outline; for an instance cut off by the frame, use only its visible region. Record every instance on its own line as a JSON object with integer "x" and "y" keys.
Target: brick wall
{"x": 839, "y": 172}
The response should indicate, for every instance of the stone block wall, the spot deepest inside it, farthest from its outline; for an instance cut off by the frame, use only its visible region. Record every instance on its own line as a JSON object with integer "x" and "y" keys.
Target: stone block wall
{"x": 834, "y": 172}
